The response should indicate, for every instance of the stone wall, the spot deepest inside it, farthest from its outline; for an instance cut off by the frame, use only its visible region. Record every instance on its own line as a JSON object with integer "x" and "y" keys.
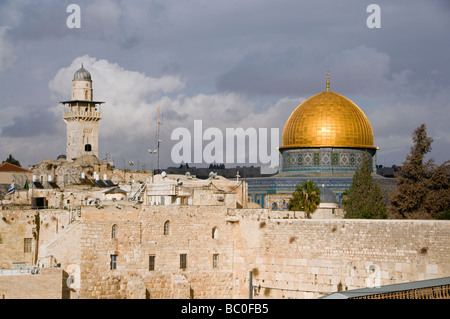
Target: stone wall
{"x": 293, "y": 258}
{"x": 141, "y": 234}
{"x": 15, "y": 226}
{"x": 289, "y": 257}
{"x": 48, "y": 284}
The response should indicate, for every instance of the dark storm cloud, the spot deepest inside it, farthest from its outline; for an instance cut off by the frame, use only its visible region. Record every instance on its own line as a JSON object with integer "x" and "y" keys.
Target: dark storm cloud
{"x": 34, "y": 123}
{"x": 35, "y": 20}
{"x": 258, "y": 73}
{"x": 294, "y": 72}
{"x": 410, "y": 32}
{"x": 263, "y": 50}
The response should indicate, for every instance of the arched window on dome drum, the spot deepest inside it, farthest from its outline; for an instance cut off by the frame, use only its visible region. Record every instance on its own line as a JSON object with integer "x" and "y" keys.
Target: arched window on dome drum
{"x": 215, "y": 233}
{"x": 114, "y": 231}
{"x": 167, "y": 228}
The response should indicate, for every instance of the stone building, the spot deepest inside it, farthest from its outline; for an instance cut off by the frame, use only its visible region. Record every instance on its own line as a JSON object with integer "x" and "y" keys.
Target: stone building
{"x": 80, "y": 167}
{"x": 175, "y": 237}
{"x": 10, "y": 172}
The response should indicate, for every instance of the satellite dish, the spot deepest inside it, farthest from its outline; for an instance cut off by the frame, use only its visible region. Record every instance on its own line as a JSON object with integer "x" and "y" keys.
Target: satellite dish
{"x": 179, "y": 182}
{"x": 212, "y": 175}
{"x": 163, "y": 174}
{"x": 188, "y": 174}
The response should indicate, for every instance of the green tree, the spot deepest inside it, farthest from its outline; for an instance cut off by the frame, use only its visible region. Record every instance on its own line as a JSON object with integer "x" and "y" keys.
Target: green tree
{"x": 364, "y": 198}
{"x": 423, "y": 188}
{"x": 344, "y": 197}
{"x": 305, "y": 198}
{"x": 12, "y": 160}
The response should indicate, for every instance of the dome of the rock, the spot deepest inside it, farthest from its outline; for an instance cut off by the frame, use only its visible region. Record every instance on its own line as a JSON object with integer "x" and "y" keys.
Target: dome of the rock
{"x": 327, "y": 119}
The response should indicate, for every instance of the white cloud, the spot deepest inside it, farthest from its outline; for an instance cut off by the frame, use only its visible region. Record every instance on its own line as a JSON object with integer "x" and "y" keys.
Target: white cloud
{"x": 132, "y": 98}
{"x": 128, "y": 95}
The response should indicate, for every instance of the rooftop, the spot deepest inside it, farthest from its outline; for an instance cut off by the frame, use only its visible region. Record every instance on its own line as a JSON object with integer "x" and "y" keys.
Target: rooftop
{"x": 8, "y": 167}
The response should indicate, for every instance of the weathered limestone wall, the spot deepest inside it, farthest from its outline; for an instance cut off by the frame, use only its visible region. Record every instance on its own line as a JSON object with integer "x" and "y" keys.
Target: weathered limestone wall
{"x": 141, "y": 234}
{"x": 290, "y": 257}
{"x": 295, "y": 258}
{"x": 15, "y": 226}
{"x": 63, "y": 248}
{"x": 45, "y": 285}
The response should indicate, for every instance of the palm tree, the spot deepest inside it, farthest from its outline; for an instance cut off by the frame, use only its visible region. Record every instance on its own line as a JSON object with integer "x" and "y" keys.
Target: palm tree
{"x": 306, "y": 197}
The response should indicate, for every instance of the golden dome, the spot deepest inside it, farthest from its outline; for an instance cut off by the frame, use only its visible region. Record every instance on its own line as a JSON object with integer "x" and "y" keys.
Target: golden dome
{"x": 327, "y": 119}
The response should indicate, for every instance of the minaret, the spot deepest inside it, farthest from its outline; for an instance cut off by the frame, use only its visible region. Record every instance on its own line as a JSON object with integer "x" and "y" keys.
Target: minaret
{"x": 82, "y": 115}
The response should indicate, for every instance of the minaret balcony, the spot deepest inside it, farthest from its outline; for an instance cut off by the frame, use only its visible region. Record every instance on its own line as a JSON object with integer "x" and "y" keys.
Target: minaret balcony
{"x": 82, "y": 115}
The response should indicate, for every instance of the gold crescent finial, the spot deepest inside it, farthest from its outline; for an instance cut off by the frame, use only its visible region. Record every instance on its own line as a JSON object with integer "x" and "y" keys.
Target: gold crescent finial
{"x": 328, "y": 81}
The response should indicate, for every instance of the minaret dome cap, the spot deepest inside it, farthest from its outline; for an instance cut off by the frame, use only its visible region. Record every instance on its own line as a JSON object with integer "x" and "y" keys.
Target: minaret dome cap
{"x": 82, "y": 75}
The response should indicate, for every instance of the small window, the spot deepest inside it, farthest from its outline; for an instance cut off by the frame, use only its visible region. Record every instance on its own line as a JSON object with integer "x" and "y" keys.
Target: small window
{"x": 215, "y": 233}
{"x": 27, "y": 245}
{"x": 113, "y": 263}
{"x": 114, "y": 231}
{"x": 167, "y": 228}
{"x": 151, "y": 262}
{"x": 88, "y": 148}
{"x": 215, "y": 260}
{"x": 183, "y": 261}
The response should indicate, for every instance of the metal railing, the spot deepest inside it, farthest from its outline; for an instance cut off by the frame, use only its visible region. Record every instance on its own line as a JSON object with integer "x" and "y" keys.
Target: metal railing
{"x": 15, "y": 272}
{"x": 436, "y": 292}
{"x": 82, "y": 114}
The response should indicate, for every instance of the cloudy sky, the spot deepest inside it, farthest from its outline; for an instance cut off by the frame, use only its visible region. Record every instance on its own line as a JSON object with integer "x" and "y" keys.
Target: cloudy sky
{"x": 229, "y": 63}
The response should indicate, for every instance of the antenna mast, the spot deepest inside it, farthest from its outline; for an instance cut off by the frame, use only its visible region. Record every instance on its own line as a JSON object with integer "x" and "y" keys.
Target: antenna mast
{"x": 158, "y": 141}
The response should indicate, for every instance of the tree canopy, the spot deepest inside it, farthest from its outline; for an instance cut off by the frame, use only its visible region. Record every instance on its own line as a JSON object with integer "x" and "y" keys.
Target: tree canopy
{"x": 423, "y": 188}
{"x": 364, "y": 198}
{"x": 305, "y": 198}
{"x": 12, "y": 160}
